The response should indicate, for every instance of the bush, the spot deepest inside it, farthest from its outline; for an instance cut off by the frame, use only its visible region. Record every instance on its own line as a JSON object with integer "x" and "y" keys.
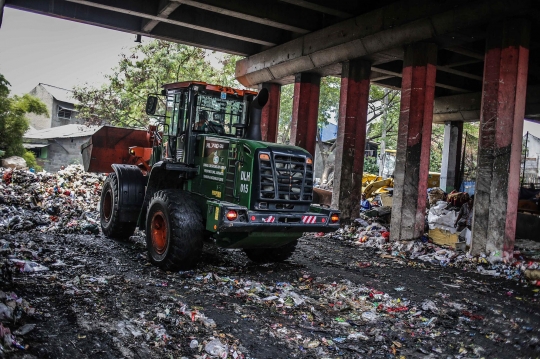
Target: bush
{"x": 31, "y": 161}
{"x": 370, "y": 165}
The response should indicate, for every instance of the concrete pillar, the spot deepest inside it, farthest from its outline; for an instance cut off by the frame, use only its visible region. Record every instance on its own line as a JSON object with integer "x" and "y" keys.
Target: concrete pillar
{"x": 451, "y": 157}
{"x": 414, "y": 139}
{"x": 270, "y": 112}
{"x": 351, "y": 138}
{"x": 501, "y": 131}
{"x": 305, "y": 111}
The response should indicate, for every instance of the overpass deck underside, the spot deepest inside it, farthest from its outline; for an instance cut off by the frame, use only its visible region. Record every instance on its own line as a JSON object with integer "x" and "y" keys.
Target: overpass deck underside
{"x": 281, "y": 38}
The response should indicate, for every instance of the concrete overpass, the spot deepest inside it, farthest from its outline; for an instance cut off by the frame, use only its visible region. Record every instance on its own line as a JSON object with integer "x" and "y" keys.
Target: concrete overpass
{"x": 455, "y": 61}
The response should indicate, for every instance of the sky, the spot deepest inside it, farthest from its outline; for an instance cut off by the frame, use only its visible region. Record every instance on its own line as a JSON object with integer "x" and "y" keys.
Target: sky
{"x": 41, "y": 49}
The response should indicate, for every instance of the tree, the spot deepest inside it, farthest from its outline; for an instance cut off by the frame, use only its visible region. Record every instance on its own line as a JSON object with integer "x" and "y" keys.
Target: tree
{"x": 13, "y": 123}
{"x": 437, "y": 144}
{"x": 143, "y": 71}
{"x": 285, "y": 114}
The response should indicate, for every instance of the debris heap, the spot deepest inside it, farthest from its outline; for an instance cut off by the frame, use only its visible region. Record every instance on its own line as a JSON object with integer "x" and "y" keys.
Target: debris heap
{"x": 63, "y": 202}
{"x": 368, "y": 232}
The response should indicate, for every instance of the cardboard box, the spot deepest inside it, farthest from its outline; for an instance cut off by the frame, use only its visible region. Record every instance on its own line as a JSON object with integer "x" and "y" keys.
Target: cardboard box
{"x": 443, "y": 237}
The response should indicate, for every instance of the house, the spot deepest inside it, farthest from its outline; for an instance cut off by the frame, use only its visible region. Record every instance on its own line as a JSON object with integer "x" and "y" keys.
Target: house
{"x": 56, "y": 139}
{"x": 58, "y": 146}
{"x": 60, "y": 105}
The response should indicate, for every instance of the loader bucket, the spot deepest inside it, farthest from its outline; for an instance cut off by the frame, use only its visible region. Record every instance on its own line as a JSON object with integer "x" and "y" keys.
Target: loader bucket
{"x": 111, "y": 145}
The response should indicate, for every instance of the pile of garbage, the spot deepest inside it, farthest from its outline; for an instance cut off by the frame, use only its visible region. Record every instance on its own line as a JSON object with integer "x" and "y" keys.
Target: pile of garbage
{"x": 13, "y": 310}
{"x": 62, "y": 202}
{"x": 443, "y": 216}
{"x": 369, "y": 233}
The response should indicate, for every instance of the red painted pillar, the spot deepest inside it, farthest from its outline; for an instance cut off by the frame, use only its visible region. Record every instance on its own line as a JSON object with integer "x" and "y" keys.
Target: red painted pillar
{"x": 501, "y": 130}
{"x": 351, "y": 137}
{"x": 270, "y": 112}
{"x": 414, "y": 139}
{"x": 305, "y": 111}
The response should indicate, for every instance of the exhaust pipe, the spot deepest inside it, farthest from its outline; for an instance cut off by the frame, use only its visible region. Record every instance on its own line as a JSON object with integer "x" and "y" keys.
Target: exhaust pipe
{"x": 253, "y": 131}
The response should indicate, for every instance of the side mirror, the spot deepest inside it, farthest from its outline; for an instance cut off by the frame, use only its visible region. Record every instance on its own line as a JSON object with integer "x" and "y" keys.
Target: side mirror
{"x": 151, "y": 105}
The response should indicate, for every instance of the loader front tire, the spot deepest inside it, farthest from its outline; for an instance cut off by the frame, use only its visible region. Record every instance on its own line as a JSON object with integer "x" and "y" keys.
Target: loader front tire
{"x": 109, "y": 211}
{"x": 174, "y": 230}
{"x": 269, "y": 255}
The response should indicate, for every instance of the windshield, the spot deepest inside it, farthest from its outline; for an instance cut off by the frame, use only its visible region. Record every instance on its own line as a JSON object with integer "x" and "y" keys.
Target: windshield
{"x": 217, "y": 115}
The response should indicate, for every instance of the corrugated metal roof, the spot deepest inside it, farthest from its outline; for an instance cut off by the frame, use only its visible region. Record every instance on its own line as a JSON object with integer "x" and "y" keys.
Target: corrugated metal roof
{"x": 66, "y": 131}
{"x": 60, "y": 94}
{"x": 34, "y": 145}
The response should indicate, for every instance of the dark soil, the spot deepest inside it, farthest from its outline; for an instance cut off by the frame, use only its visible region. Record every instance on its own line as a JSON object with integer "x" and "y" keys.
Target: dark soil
{"x": 107, "y": 301}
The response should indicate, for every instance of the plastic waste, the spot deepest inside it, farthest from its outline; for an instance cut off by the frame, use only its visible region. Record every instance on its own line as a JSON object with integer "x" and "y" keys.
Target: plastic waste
{"x": 5, "y": 312}
{"x": 25, "y": 329}
{"x": 216, "y": 348}
{"x": 369, "y": 316}
{"x": 430, "y": 305}
{"x": 28, "y": 266}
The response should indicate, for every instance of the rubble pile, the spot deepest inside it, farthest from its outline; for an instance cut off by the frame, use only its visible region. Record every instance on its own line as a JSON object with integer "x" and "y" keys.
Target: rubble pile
{"x": 62, "y": 202}
{"x": 367, "y": 232}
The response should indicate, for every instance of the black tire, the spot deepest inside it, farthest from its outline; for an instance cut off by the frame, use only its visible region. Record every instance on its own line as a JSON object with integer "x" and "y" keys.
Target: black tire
{"x": 178, "y": 245}
{"x": 268, "y": 255}
{"x": 109, "y": 210}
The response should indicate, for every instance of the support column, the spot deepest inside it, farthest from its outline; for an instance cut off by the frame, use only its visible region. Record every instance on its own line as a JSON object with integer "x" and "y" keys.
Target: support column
{"x": 501, "y": 128}
{"x": 351, "y": 138}
{"x": 270, "y": 112}
{"x": 305, "y": 111}
{"x": 451, "y": 156}
{"x": 414, "y": 139}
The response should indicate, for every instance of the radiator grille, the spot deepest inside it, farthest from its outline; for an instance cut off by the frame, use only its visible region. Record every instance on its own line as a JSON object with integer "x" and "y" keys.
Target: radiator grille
{"x": 286, "y": 179}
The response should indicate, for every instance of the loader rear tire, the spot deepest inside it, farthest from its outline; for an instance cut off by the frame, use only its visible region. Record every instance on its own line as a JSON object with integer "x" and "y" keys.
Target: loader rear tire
{"x": 269, "y": 255}
{"x": 174, "y": 230}
{"x": 109, "y": 211}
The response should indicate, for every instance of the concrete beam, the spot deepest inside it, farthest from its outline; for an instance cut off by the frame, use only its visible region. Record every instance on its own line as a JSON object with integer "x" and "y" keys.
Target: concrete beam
{"x": 173, "y": 22}
{"x": 370, "y": 33}
{"x": 463, "y": 107}
{"x": 244, "y": 16}
{"x": 466, "y": 107}
{"x": 318, "y": 8}
{"x": 437, "y": 84}
{"x": 130, "y": 23}
{"x": 164, "y": 12}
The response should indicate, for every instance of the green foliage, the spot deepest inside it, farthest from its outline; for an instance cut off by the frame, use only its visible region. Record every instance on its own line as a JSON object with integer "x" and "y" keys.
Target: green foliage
{"x": 437, "y": 142}
{"x": 285, "y": 113}
{"x": 328, "y": 100}
{"x": 31, "y": 161}
{"x": 370, "y": 165}
{"x": 378, "y": 97}
{"x": 143, "y": 71}
{"x": 13, "y": 123}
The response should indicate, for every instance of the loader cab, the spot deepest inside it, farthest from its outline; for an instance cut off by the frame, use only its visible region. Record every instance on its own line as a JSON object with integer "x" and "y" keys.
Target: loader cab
{"x": 194, "y": 109}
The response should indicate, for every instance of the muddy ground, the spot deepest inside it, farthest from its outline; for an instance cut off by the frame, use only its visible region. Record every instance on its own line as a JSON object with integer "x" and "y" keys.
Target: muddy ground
{"x": 102, "y": 299}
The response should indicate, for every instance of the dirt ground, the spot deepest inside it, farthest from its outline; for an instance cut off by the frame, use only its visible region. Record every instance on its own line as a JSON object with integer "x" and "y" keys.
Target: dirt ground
{"x": 102, "y": 299}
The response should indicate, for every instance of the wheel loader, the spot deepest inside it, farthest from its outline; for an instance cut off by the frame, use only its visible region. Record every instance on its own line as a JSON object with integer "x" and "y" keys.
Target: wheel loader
{"x": 204, "y": 174}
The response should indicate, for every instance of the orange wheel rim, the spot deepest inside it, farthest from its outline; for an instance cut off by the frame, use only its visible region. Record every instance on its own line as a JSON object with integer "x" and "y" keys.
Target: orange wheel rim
{"x": 159, "y": 232}
{"x": 107, "y": 205}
